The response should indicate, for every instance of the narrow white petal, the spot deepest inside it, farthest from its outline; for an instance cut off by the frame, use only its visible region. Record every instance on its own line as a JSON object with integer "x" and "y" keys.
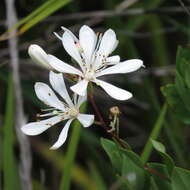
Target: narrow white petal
{"x": 71, "y": 47}
{"x": 107, "y": 46}
{"x": 57, "y": 35}
{"x": 38, "y": 55}
{"x": 88, "y": 40}
{"x": 81, "y": 100}
{"x": 73, "y": 36}
{"x": 108, "y": 43}
{"x": 123, "y": 67}
{"x": 63, "y": 135}
{"x": 114, "y": 91}
{"x": 46, "y": 95}
{"x": 36, "y": 128}
{"x": 63, "y": 67}
{"x": 113, "y": 60}
{"x": 85, "y": 119}
{"x": 58, "y": 85}
{"x": 80, "y": 88}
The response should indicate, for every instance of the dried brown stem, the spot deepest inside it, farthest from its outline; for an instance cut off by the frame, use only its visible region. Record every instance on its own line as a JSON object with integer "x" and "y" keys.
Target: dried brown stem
{"x": 112, "y": 134}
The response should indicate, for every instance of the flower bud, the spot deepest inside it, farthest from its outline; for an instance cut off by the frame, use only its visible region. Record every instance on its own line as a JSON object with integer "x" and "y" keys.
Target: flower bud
{"x": 39, "y": 56}
{"x": 114, "y": 110}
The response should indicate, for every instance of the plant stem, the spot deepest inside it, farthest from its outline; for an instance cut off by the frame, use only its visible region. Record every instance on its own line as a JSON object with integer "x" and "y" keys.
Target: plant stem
{"x": 121, "y": 143}
{"x": 112, "y": 134}
{"x": 154, "y": 134}
{"x": 70, "y": 156}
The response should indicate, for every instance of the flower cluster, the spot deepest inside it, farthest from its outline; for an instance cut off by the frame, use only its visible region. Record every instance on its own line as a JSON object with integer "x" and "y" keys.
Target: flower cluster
{"x": 92, "y": 54}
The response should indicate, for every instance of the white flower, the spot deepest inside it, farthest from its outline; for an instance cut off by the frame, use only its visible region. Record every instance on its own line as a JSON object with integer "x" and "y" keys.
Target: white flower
{"x": 59, "y": 111}
{"x": 39, "y": 56}
{"x": 92, "y": 52}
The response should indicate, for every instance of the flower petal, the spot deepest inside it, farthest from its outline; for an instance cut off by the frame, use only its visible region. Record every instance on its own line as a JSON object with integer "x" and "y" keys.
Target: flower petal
{"x": 71, "y": 47}
{"x": 38, "y": 55}
{"x": 80, "y": 88}
{"x": 36, "y": 128}
{"x": 108, "y": 43}
{"x": 73, "y": 36}
{"x": 113, "y": 60}
{"x": 114, "y": 91}
{"x": 85, "y": 119}
{"x": 58, "y": 85}
{"x": 63, "y": 135}
{"x": 88, "y": 40}
{"x": 123, "y": 67}
{"x": 81, "y": 100}
{"x": 46, "y": 95}
{"x": 63, "y": 67}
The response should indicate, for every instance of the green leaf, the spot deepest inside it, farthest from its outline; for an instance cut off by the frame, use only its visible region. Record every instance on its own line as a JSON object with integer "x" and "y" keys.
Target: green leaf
{"x": 187, "y": 75}
{"x": 134, "y": 157}
{"x": 183, "y": 56}
{"x": 166, "y": 158}
{"x": 182, "y": 90}
{"x": 174, "y": 100}
{"x": 128, "y": 166}
{"x": 178, "y": 94}
{"x": 136, "y": 177}
{"x": 180, "y": 179}
{"x": 158, "y": 146}
{"x": 113, "y": 152}
{"x": 160, "y": 181}
{"x": 10, "y": 170}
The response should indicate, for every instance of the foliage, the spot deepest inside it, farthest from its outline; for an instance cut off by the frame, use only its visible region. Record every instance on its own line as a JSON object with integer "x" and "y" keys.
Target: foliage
{"x": 177, "y": 94}
{"x": 144, "y": 123}
{"x": 131, "y": 173}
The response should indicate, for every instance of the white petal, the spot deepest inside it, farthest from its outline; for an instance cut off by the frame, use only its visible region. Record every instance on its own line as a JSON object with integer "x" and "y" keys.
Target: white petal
{"x": 73, "y": 36}
{"x": 63, "y": 136}
{"x": 38, "y": 55}
{"x": 114, "y": 91}
{"x": 36, "y": 128}
{"x": 58, "y": 85}
{"x": 46, "y": 95}
{"x": 123, "y": 67}
{"x": 57, "y": 35}
{"x": 88, "y": 40}
{"x": 81, "y": 100}
{"x": 63, "y": 67}
{"x": 80, "y": 88}
{"x": 71, "y": 48}
{"x": 85, "y": 119}
{"x": 113, "y": 60}
{"x": 108, "y": 43}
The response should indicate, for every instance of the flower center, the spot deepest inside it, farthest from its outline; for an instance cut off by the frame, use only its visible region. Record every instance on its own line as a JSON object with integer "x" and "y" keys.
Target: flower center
{"x": 89, "y": 75}
{"x": 73, "y": 112}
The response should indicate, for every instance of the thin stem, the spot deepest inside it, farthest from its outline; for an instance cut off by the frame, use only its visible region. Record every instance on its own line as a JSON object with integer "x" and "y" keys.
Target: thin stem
{"x": 112, "y": 134}
{"x": 154, "y": 134}
{"x": 121, "y": 143}
{"x": 70, "y": 156}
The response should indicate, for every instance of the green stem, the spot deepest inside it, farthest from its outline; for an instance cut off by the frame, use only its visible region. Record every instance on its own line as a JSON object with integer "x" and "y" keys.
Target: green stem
{"x": 70, "y": 156}
{"x": 154, "y": 134}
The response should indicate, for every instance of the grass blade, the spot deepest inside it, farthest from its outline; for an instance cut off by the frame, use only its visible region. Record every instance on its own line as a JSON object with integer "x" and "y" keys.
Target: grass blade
{"x": 10, "y": 171}
{"x": 45, "y": 13}
{"x": 154, "y": 134}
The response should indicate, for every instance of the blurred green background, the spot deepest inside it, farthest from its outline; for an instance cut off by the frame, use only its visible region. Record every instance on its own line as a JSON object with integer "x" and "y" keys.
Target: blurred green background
{"x": 148, "y": 29}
